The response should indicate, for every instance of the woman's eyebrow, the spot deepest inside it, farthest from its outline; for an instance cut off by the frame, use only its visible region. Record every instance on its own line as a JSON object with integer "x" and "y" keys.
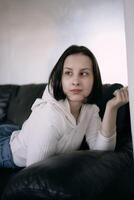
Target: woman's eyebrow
{"x": 83, "y": 69}
{"x": 68, "y": 68}
{"x": 86, "y": 69}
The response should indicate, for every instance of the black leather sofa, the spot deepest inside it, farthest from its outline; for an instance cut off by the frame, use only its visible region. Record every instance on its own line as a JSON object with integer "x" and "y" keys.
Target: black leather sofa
{"x": 80, "y": 175}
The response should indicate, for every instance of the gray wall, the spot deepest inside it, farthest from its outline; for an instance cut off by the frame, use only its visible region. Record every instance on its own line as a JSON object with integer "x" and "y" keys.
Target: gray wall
{"x": 129, "y": 27}
{"x": 34, "y": 33}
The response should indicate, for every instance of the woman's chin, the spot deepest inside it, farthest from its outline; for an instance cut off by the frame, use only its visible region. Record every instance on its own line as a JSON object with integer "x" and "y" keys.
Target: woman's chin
{"x": 76, "y": 99}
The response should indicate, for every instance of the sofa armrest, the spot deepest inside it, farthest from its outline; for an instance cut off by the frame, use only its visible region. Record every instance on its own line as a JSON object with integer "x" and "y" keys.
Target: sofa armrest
{"x": 80, "y": 175}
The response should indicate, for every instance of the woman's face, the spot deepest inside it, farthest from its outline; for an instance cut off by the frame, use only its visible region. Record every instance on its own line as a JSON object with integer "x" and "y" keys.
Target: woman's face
{"x": 77, "y": 78}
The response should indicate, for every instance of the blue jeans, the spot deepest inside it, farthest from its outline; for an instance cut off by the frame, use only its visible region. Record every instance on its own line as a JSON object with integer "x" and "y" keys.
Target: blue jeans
{"x": 6, "y": 159}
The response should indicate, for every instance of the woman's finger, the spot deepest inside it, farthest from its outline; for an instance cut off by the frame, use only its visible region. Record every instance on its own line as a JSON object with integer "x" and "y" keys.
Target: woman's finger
{"x": 122, "y": 94}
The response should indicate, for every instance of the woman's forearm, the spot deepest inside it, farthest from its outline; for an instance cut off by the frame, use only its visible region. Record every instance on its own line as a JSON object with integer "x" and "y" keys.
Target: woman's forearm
{"x": 109, "y": 121}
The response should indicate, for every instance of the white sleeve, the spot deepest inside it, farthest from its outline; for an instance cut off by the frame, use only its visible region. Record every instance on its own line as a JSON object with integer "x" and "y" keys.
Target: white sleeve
{"x": 94, "y": 136}
{"x": 41, "y": 135}
{"x": 43, "y": 146}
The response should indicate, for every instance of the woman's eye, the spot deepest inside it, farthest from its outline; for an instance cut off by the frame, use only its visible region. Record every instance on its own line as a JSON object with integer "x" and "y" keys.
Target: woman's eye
{"x": 84, "y": 73}
{"x": 68, "y": 73}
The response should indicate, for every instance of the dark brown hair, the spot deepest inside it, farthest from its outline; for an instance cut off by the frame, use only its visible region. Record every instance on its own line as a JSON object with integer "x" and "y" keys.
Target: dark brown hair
{"x": 56, "y": 74}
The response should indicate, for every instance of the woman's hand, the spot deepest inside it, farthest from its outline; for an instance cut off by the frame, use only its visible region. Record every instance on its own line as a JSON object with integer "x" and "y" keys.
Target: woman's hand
{"x": 120, "y": 98}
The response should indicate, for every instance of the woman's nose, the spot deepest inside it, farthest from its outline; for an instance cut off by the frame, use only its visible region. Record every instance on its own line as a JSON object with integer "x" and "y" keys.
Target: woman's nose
{"x": 75, "y": 82}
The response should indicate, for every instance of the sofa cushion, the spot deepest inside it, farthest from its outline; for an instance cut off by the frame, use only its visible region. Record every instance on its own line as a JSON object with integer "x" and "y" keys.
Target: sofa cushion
{"x": 3, "y": 105}
{"x": 80, "y": 175}
{"x": 5, "y": 92}
{"x": 107, "y": 93}
{"x": 21, "y": 101}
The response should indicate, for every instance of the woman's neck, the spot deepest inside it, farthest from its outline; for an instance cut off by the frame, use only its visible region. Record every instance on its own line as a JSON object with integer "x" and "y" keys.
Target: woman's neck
{"x": 75, "y": 108}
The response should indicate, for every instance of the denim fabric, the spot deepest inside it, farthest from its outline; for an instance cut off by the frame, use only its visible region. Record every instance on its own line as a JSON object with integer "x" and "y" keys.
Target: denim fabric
{"x": 6, "y": 159}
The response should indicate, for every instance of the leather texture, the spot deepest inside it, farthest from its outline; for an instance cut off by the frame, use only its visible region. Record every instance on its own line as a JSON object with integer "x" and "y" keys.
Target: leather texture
{"x": 5, "y": 92}
{"x": 81, "y": 175}
{"x": 21, "y": 101}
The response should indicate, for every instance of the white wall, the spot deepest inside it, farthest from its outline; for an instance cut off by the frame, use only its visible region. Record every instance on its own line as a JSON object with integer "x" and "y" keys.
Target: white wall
{"x": 34, "y": 33}
{"x": 129, "y": 27}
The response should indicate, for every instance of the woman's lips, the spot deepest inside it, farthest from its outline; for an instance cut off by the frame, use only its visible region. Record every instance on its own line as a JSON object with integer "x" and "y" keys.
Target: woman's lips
{"x": 75, "y": 91}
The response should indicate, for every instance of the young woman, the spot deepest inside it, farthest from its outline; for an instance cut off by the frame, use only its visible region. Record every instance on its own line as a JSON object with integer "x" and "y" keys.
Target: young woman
{"x": 65, "y": 114}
